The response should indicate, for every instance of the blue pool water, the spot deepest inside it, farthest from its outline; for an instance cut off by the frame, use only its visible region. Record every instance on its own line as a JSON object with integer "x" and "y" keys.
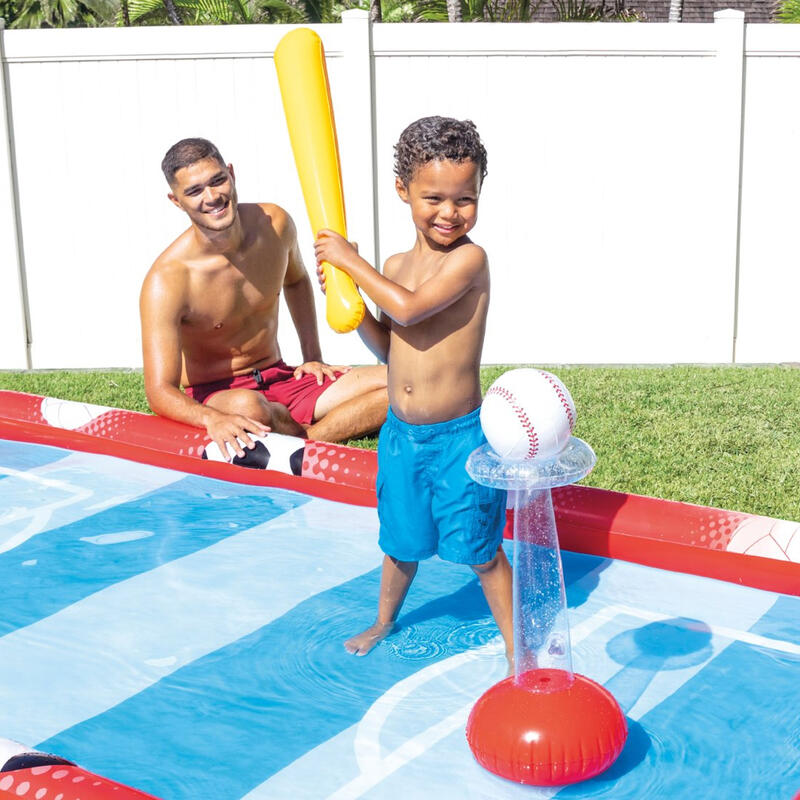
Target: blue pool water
{"x": 184, "y": 635}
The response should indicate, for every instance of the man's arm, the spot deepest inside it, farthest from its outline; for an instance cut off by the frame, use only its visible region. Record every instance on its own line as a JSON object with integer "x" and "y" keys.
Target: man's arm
{"x": 406, "y": 307}
{"x": 160, "y": 306}
{"x": 373, "y": 329}
{"x": 299, "y": 294}
{"x": 298, "y": 291}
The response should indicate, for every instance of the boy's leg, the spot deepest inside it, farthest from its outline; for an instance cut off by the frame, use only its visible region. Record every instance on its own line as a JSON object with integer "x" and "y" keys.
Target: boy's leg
{"x": 496, "y": 581}
{"x": 396, "y": 578}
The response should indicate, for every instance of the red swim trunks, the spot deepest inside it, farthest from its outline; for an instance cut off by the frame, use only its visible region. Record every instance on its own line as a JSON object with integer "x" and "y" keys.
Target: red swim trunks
{"x": 276, "y": 383}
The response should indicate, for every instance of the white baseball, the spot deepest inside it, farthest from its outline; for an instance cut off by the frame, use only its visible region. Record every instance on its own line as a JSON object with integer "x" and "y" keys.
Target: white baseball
{"x": 528, "y": 414}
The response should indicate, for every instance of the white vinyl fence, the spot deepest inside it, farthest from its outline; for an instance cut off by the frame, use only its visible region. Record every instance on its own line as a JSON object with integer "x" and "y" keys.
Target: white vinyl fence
{"x": 642, "y": 201}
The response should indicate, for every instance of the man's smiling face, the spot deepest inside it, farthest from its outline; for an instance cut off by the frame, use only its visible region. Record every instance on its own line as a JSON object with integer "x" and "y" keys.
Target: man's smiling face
{"x": 206, "y": 191}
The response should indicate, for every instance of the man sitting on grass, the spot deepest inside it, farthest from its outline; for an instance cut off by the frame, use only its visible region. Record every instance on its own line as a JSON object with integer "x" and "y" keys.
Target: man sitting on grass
{"x": 209, "y": 312}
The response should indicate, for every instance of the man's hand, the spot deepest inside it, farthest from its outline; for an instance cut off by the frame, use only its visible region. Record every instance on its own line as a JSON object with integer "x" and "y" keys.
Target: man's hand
{"x": 319, "y": 371}
{"x": 230, "y": 432}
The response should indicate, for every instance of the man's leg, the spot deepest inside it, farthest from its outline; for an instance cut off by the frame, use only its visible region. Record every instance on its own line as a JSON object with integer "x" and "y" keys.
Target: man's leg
{"x": 396, "y": 579}
{"x": 353, "y": 405}
{"x": 250, "y": 403}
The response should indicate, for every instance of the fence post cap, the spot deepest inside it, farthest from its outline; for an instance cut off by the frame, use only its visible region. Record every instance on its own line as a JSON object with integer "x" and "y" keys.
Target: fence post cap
{"x": 724, "y": 14}
{"x": 355, "y": 15}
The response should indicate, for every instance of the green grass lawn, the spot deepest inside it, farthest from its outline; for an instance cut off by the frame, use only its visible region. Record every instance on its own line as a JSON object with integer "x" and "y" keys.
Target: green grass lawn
{"x": 719, "y": 436}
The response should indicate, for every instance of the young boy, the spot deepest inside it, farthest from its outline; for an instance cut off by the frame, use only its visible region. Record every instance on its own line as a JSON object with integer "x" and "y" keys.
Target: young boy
{"x": 432, "y": 304}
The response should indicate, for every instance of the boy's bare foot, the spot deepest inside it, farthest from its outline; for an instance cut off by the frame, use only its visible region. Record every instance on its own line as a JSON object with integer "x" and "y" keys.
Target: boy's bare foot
{"x": 361, "y": 645}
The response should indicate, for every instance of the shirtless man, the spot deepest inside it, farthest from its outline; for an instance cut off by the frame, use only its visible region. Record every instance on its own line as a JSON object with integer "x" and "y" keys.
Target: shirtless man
{"x": 209, "y": 312}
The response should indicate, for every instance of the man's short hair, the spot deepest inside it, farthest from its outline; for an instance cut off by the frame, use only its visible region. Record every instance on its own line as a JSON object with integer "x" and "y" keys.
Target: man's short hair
{"x": 437, "y": 139}
{"x": 186, "y": 152}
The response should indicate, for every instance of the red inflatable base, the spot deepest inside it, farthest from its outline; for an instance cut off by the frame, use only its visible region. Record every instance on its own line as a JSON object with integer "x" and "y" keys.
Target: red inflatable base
{"x": 546, "y": 729}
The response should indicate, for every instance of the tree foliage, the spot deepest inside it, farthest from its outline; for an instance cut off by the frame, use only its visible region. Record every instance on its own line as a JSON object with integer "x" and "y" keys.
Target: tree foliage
{"x": 789, "y": 11}
{"x": 515, "y": 10}
{"x": 74, "y": 13}
{"x": 8, "y": 11}
{"x": 210, "y": 12}
{"x": 63, "y": 13}
{"x": 90, "y": 13}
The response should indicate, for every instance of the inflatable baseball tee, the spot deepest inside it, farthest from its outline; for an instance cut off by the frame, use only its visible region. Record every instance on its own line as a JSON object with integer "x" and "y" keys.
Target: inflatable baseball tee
{"x": 545, "y": 725}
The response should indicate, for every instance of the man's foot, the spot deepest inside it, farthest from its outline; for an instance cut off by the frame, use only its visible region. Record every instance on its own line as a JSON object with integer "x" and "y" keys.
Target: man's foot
{"x": 361, "y": 645}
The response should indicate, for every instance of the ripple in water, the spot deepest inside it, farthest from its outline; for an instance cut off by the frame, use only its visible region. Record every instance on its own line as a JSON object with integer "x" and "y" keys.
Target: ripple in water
{"x": 410, "y": 646}
{"x": 474, "y": 635}
{"x": 314, "y": 659}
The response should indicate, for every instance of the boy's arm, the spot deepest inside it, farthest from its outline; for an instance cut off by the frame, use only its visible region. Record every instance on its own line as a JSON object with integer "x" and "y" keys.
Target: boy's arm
{"x": 404, "y": 306}
{"x": 375, "y": 335}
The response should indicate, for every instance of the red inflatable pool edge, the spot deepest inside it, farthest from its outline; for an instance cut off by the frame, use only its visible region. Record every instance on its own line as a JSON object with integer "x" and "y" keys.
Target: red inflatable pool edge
{"x": 666, "y": 534}
{"x": 38, "y": 433}
{"x": 658, "y": 533}
{"x": 65, "y": 783}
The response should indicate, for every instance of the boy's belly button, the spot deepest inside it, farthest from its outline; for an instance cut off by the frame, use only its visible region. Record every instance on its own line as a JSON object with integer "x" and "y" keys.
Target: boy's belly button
{"x": 407, "y": 389}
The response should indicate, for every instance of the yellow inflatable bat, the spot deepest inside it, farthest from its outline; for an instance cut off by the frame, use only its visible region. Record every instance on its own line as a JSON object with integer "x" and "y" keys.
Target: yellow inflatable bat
{"x": 303, "y": 78}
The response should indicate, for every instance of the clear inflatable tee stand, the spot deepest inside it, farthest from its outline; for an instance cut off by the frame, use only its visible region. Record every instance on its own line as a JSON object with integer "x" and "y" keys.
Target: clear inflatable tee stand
{"x": 541, "y": 628}
{"x": 544, "y": 725}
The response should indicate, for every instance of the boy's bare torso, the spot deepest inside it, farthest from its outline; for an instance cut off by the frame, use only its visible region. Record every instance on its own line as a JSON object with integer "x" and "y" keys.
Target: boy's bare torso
{"x": 434, "y": 365}
{"x": 228, "y": 303}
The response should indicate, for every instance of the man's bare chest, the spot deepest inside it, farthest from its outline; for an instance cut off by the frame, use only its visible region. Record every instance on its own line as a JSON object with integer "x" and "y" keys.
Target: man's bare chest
{"x": 230, "y": 295}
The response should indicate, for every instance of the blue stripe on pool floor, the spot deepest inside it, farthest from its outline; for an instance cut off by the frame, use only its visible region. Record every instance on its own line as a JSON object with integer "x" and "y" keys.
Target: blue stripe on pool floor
{"x": 15, "y": 455}
{"x": 71, "y": 562}
{"x": 274, "y": 695}
{"x": 736, "y": 717}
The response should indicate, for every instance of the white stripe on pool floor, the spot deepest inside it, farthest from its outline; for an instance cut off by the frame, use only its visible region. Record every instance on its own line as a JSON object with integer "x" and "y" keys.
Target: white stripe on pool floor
{"x": 126, "y": 637}
{"x": 58, "y": 493}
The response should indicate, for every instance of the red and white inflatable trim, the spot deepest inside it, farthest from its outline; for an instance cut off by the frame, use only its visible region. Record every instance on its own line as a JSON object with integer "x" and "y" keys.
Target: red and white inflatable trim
{"x": 33, "y": 775}
{"x": 727, "y": 545}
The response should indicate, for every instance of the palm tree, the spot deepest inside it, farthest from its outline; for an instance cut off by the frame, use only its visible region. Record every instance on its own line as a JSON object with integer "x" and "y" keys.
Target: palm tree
{"x": 210, "y": 12}
{"x": 788, "y": 11}
{"x": 64, "y": 13}
{"x": 473, "y": 10}
{"x": 172, "y": 13}
{"x": 8, "y": 11}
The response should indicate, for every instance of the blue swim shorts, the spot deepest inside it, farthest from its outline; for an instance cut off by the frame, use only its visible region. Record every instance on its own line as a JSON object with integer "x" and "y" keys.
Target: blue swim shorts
{"x": 427, "y": 503}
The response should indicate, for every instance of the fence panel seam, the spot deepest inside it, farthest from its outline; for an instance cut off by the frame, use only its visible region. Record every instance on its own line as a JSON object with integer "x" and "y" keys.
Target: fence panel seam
{"x": 8, "y": 124}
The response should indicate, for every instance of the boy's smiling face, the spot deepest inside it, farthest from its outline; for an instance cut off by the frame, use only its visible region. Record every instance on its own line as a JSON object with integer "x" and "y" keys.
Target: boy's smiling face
{"x": 443, "y": 196}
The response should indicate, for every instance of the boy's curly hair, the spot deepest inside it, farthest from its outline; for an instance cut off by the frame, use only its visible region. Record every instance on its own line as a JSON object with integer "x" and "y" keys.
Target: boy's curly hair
{"x": 437, "y": 139}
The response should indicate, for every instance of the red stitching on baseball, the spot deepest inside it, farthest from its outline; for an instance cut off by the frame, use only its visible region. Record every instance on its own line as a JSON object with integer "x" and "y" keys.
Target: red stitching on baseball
{"x": 562, "y": 397}
{"x": 533, "y": 437}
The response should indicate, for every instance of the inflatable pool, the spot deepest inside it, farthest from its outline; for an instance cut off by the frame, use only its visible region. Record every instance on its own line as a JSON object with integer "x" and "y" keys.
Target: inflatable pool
{"x": 671, "y": 536}
{"x": 728, "y": 545}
